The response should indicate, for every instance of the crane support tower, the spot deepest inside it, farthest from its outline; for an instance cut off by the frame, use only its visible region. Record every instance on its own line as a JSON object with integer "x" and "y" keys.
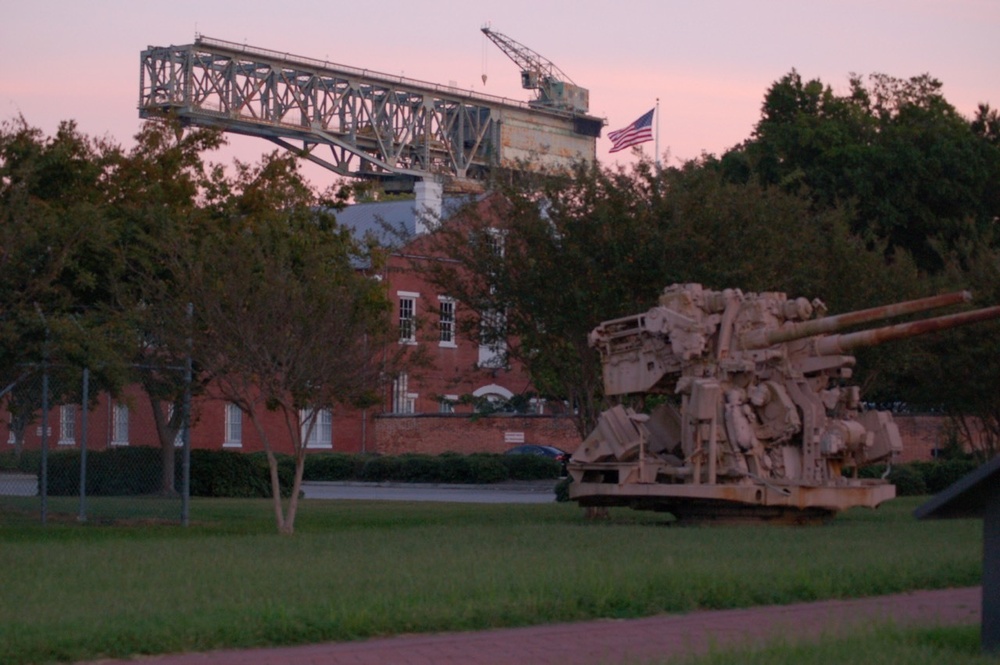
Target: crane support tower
{"x": 357, "y": 122}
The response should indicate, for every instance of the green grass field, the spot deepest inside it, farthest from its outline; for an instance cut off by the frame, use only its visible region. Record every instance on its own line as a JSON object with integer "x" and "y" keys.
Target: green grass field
{"x": 358, "y": 569}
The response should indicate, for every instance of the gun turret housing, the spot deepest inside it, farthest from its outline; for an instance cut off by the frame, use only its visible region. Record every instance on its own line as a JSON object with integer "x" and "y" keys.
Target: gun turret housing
{"x": 760, "y": 420}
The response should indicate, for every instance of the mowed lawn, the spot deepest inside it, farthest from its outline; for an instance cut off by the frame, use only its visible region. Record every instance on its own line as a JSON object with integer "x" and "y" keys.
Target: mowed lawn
{"x": 361, "y": 569}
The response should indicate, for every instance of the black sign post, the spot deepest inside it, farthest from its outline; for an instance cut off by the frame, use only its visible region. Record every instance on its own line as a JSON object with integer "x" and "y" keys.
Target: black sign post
{"x": 978, "y": 495}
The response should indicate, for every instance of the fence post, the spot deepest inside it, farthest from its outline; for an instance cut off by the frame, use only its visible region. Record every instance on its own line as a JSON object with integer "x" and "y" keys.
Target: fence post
{"x": 44, "y": 472}
{"x": 82, "y": 517}
{"x": 43, "y": 481}
{"x": 186, "y": 432}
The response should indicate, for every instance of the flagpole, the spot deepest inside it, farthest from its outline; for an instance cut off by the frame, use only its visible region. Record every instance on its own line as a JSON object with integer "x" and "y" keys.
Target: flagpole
{"x": 657, "y": 133}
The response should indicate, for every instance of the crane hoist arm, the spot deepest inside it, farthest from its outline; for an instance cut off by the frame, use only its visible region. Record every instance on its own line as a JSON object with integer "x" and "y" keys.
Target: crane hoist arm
{"x": 555, "y": 88}
{"x": 534, "y": 67}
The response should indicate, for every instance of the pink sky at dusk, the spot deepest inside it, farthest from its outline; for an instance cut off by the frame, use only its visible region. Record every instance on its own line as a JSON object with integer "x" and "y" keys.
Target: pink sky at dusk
{"x": 709, "y": 62}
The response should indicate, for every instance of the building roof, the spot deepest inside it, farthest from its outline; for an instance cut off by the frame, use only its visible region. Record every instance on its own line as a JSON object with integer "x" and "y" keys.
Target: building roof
{"x": 393, "y": 223}
{"x": 389, "y": 221}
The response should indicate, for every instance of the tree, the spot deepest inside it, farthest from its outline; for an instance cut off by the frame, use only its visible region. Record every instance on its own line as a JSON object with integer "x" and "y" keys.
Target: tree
{"x": 548, "y": 258}
{"x": 915, "y": 177}
{"x": 543, "y": 260}
{"x": 283, "y": 320}
{"x": 956, "y": 373}
{"x": 154, "y": 196}
{"x": 56, "y": 264}
{"x": 916, "y": 174}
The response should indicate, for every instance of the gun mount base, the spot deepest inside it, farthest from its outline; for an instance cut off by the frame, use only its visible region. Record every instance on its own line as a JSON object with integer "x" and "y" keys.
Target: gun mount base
{"x": 720, "y": 504}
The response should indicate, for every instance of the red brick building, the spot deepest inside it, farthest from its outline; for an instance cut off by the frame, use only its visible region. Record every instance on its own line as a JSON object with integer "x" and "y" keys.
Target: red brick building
{"x": 427, "y": 410}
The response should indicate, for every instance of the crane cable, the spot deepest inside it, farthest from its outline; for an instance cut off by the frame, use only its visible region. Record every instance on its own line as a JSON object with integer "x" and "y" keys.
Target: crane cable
{"x": 485, "y": 50}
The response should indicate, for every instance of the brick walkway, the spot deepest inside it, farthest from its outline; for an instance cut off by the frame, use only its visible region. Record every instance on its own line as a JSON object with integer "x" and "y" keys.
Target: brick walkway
{"x": 608, "y": 642}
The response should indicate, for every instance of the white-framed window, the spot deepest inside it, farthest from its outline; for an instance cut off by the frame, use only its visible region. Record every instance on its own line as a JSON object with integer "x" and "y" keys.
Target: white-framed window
{"x": 119, "y": 426}
{"x": 403, "y": 401}
{"x": 493, "y": 393}
{"x": 496, "y": 239}
{"x": 234, "y": 426}
{"x": 67, "y": 425}
{"x": 407, "y": 317}
{"x": 446, "y": 321}
{"x": 492, "y": 346}
{"x": 321, "y": 435}
{"x": 447, "y": 403}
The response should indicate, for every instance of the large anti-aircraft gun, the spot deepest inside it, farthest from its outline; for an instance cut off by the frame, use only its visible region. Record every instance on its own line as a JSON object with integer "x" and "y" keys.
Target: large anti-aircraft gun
{"x": 765, "y": 426}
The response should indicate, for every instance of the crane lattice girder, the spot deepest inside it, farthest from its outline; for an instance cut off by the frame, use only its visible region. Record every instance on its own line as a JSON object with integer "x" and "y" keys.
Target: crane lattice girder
{"x": 374, "y": 125}
{"x": 555, "y": 89}
{"x": 527, "y": 59}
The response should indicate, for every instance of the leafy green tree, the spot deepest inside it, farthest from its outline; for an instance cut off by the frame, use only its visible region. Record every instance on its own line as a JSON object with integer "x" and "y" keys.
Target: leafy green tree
{"x": 956, "y": 373}
{"x": 546, "y": 259}
{"x": 283, "y": 320}
{"x": 537, "y": 265}
{"x": 154, "y": 195}
{"x": 56, "y": 263}
{"x": 986, "y": 124}
{"x": 916, "y": 174}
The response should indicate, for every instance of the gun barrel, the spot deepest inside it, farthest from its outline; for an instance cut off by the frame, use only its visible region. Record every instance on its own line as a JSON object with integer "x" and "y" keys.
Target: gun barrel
{"x": 762, "y": 338}
{"x": 834, "y": 345}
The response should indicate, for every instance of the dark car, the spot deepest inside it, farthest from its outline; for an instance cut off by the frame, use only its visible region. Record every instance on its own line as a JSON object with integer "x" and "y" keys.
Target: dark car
{"x": 552, "y": 452}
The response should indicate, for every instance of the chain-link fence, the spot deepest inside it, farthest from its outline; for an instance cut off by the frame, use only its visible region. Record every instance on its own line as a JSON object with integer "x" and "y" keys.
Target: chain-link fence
{"x": 69, "y": 451}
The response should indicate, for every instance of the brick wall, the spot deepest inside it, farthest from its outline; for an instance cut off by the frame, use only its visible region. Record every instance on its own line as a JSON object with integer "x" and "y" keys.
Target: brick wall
{"x": 439, "y": 433}
{"x": 921, "y": 435}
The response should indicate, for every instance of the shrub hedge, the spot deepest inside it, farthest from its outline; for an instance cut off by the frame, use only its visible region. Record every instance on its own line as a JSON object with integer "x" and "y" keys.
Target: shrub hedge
{"x": 223, "y": 473}
{"x": 126, "y": 471}
{"x": 29, "y": 461}
{"x": 135, "y": 470}
{"x": 477, "y": 468}
{"x": 917, "y": 478}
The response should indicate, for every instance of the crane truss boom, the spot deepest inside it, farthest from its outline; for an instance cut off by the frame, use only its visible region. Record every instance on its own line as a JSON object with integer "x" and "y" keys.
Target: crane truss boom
{"x": 527, "y": 59}
{"x": 555, "y": 89}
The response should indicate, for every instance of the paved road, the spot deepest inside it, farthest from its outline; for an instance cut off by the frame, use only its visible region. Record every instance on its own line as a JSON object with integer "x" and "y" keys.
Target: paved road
{"x": 12, "y": 484}
{"x": 18, "y": 484}
{"x": 528, "y": 492}
{"x": 610, "y": 642}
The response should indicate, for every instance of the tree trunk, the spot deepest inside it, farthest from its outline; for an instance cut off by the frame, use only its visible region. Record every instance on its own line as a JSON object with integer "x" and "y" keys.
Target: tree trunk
{"x": 293, "y": 501}
{"x": 18, "y": 442}
{"x": 166, "y": 435}
{"x": 285, "y": 526}
{"x": 272, "y": 466}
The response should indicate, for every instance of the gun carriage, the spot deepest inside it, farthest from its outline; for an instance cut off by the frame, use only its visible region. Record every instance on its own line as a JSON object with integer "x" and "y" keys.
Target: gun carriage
{"x": 763, "y": 423}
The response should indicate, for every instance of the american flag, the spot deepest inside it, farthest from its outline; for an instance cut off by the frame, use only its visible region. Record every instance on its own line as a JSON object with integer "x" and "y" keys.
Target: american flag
{"x": 638, "y": 132}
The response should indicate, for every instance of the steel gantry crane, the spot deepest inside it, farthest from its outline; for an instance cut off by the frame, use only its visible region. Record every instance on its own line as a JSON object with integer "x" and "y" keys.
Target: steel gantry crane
{"x": 360, "y": 123}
